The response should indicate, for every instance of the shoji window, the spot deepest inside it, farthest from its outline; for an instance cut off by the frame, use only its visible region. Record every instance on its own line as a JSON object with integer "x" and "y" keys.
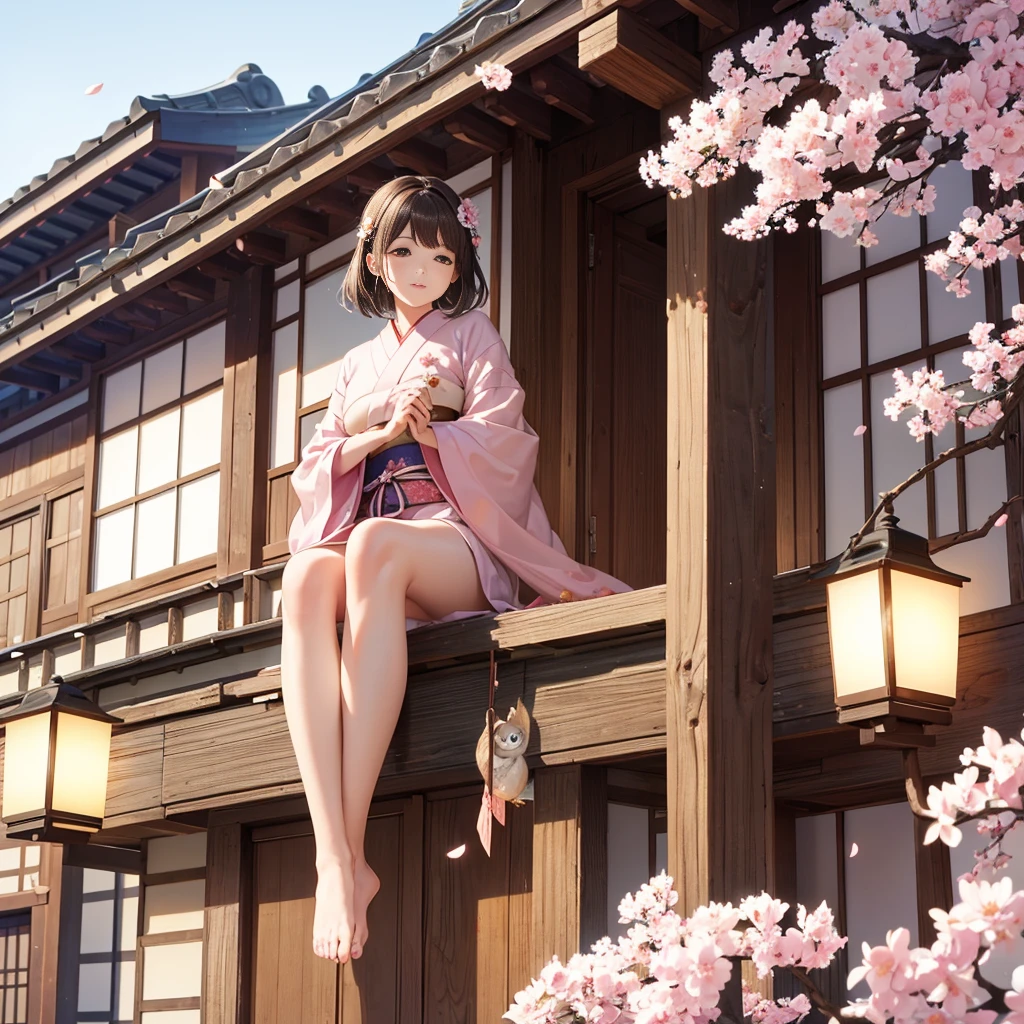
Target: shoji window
{"x": 881, "y": 310}
{"x": 158, "y": 465}
{"x": 637, "y": 851}
{"x": 99, "y": 932}
{"x": 312, "y": 331}
{"x": 63, "y": 555}
{"x": 19, "y": 867}
{"x": 15, "y": 941}
{"x": 19, "y": 542}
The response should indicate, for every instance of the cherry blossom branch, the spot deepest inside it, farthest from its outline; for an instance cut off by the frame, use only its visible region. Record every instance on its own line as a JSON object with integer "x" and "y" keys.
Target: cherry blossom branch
{"x": 982, "y": 531}
{"x": 829, "y": 1009}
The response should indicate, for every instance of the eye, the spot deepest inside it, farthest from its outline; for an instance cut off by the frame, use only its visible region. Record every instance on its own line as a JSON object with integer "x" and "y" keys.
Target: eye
{"x": 399, "y": 250}
{"x": 513, "y": 737}
{"x": 446, "y": 260}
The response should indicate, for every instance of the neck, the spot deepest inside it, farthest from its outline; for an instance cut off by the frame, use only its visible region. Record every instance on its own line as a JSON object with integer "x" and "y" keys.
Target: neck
{"x": 406, "y": 315}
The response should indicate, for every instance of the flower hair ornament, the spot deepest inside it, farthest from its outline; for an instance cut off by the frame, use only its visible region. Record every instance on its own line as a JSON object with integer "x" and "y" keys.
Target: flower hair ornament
{"x": 365, "y": 228}
{"x": 469, "y": 217}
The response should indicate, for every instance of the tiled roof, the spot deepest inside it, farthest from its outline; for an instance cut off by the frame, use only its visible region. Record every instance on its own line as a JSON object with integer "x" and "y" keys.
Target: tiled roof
{"x": 432, "y": 52}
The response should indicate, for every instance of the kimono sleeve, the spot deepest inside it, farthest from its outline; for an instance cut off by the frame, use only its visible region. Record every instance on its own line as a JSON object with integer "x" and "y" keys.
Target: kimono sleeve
{"x": 485, "y": 466}
{"x": 328, "y": 501}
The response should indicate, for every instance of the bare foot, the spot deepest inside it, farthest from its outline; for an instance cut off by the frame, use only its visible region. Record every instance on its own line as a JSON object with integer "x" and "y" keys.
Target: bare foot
{"x": 367, "y": 885}
{"x": 333, "y": 918}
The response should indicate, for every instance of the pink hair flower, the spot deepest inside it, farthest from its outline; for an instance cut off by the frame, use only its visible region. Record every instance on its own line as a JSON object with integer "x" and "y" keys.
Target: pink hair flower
{"x": 469, "y": 218}
{"x": 494, "y": 76}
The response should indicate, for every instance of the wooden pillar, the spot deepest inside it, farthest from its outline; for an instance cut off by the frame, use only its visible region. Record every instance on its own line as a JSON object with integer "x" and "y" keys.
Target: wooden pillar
{"x": 721, "y": 553}
{"x": 247, "y": 379}
{"x": 227, "y": 925}
{"x": 45, "y": 939}
{"x": 934, "y": 881}
{"x": 570, "y": 867}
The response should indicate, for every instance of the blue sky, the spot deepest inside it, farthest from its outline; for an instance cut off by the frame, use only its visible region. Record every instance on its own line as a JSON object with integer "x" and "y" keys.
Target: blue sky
{"x": 55, "y": 49}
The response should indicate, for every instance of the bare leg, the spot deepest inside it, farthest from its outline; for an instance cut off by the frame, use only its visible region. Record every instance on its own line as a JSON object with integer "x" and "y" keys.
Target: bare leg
{"x": 389, "y": 562}
{"x": 313, "y": 594}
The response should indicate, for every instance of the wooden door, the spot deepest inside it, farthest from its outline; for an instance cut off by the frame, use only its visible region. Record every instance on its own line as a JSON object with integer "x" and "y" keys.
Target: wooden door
{"x": 381, "y": 987}
{"x": 625, "y": 403}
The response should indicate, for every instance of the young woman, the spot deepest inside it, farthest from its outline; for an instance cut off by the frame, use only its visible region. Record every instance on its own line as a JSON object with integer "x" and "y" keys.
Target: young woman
{"x": 416, "y": 502}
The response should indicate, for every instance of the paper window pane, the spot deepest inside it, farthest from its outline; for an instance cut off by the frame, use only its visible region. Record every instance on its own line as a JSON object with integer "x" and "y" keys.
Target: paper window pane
{"x": 286, "y": 301}
{"x": 881, "y": 887}
{"x": 894, "y": 313}
{"x": 817, "y": 870}
{"x": 947, "y": 514}
{"x": 628, "y": 857}
{"x": 839, "y": 256}
{"x": 895, "y": 455}
{"x": 200, "y": 432}
{"x": 174, "y": 906}
{"x": 161, "y": 378}
{"x": 307, "y": 427}
{"x": 171, "y": 1017}
{"x": 895, "y": 235}
{"x": 844, "y": 466}
{"x": 94, "y": 880}
{"x": 319, "y": 383}
{"x": 328, "y": 329}
{"x": 116, "y": 470}
{"x": 112, "y": 553}
{"x": 286, "y": 350}
{"x": 949, "y": 316}
{"x": 158, "y": 450}
{"x": 97, "y": 935}
{"x": 985, "y": 471}
{"x": 154, "y": 540}
{"x": 172, "y": 971}
{"x": 985, "y": 562}
{"x": 470, "y": 178}
{"x": 341, "y": 246}
{"x": 198, "y": 517}
{"x": 121, "y": 396}
{"x": 129, "y": 922}
{"x": 125, "y": 999}
{"x": 840, "y": 323}
{"x": 1010, "y": 281}
{"x": 280, "y": 273}
{"x": 94, "y": 988}
{"x": 204, "y": 357}
{"x": 954, "y": 192}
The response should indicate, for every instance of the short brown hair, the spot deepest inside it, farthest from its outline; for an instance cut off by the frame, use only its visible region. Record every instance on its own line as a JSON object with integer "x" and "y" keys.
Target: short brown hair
{"x": 429, "y": 207}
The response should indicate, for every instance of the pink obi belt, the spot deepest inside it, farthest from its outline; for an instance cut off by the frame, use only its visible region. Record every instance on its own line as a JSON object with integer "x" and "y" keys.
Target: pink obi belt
{"x": 396, "y": 479}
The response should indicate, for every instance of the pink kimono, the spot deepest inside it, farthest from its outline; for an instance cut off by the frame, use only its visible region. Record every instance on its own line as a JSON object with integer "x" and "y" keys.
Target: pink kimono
{"x": 483, "y": 465}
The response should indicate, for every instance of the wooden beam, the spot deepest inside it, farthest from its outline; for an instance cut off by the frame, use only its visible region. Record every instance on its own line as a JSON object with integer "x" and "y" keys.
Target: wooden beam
{"x": 298, "y": 221}
{"x": 107, "y": 331}
{"x": 32, "y": 379}
{"x": 570, "y": 865}
{"x": 420, "y": 156}
{"x": 519, "y": 110}
{"x": 477, "y": 129}
{"x": 368, "y": 177}
{"x": 337, "y": 201}
{"x": 133, "y": 312}
{"x": 625, "y": 51}
{"x": 76, "y": 347}
{"x": 164, "y": 298}
{"x": 723, "y": 14}
{"x": 47, "y": 362}
{"x": 227, "y": 925}
{"x": 222, "y": 266}
{"x": 720, "y": 554}
{"x": 562, "y": 90}
{"x": 191, "y": 284}
{"x": 262, "y": 248}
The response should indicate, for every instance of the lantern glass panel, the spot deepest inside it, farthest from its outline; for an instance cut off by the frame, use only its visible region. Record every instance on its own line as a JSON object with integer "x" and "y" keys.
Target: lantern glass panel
{"x": 926, "y": 633}
{"x": 27, "y": 745}
{"x": 80, "y": 766}
{"x": 855, "y": 625}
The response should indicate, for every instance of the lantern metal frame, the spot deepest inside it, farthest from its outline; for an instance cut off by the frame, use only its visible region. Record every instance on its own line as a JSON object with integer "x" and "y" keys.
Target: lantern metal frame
{"x": 42, "y": 825}
{"x": 885, "y": 711}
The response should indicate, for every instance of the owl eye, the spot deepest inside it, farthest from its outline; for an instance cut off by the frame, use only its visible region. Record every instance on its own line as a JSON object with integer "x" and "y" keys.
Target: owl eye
{"x": 513, "y": 737}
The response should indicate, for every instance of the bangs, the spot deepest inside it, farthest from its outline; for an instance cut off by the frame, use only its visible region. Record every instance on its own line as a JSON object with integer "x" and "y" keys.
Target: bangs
{"x": 428, "y": 217}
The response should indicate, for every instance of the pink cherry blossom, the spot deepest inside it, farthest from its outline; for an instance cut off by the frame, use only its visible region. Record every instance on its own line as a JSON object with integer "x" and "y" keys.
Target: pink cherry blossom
{"x": 493, "y": 75}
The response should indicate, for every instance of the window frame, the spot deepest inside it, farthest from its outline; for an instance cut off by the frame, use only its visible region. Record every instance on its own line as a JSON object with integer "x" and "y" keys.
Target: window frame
{"x": 183, "y": 573}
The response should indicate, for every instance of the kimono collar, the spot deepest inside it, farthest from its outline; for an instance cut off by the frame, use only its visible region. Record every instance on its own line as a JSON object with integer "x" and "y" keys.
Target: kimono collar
{"x": 391, "y": 357}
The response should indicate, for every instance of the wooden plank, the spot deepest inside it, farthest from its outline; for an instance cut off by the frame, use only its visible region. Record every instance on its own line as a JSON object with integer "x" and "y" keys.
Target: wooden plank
{"x": 722, "y": 14}
{"x": 45, "y": 938}
{"x": 136, "y": 769}
{"x": 629, "y": 53}
{"x": 721, "y": 554}
{"x": 934, "y": 881}
{"x": 521, "y": 965}
{"x": 227, "y": 925}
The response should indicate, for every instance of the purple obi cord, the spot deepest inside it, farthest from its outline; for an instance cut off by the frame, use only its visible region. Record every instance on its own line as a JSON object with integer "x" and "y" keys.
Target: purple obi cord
{"x": 394, "y": 480}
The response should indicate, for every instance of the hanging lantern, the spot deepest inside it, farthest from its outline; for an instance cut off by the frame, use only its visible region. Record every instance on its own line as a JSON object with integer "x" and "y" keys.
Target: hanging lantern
{"x": 56, "y": 756}
{"x": 894, "y": 629}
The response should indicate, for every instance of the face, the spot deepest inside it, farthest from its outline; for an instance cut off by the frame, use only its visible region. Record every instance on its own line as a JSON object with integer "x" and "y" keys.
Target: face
{"x": 416, "y": 274}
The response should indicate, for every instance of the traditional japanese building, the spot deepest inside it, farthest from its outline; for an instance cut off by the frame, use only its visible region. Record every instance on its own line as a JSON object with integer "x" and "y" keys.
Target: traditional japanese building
{"x": 169, "y": 345}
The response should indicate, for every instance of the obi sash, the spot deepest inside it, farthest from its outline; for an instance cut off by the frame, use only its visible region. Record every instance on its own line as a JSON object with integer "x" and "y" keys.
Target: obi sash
{"x": 396, "y": 479}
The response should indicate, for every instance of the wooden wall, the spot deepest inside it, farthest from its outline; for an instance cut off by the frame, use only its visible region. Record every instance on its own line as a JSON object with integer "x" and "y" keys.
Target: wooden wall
{"x": 33, "y": 464}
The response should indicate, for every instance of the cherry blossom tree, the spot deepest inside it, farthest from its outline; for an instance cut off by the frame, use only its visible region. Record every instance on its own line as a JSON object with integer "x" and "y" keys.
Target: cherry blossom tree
{"x": 849, "y": 122}
{"x": 672, "y": 970}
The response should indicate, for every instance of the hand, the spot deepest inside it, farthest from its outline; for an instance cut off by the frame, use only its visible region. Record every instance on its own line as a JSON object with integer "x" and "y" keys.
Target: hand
{"x": 411, "y": 412}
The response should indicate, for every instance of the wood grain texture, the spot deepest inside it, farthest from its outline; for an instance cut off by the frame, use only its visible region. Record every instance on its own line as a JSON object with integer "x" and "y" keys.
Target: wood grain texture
{"x": 136, "y": 770}
{"x": 721, "y": 554}
{"x": 227, "y": 925}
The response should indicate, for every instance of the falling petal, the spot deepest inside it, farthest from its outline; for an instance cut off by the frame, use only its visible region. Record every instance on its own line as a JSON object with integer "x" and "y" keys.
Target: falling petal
{"x": 93, "y": 89}
{"x": 457, "y": 852}
{"x": 1001, "y": 521}
{"x": 862, "y": 429}
{"x": 854, "y": 850}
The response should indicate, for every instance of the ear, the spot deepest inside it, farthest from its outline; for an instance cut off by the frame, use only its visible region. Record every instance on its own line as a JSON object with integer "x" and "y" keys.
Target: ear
{"x": 371, "y": 264}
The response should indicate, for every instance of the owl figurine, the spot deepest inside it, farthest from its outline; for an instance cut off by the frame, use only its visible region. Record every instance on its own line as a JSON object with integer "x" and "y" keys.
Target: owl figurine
{"x": 510, "y": 740}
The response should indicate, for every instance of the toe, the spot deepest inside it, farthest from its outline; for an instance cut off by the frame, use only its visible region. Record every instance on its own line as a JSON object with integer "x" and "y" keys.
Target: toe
{"x": 331, "y": 950}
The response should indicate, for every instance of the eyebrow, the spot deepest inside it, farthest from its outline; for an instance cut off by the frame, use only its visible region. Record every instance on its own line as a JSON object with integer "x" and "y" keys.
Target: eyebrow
{"x": 410, "y": 238}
